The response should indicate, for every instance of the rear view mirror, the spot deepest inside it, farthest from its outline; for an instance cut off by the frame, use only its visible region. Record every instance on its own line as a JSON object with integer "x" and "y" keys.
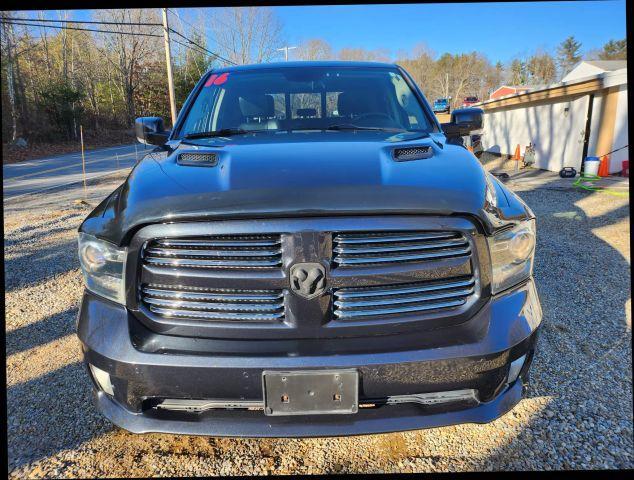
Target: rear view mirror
{"x": 150, "y": 130}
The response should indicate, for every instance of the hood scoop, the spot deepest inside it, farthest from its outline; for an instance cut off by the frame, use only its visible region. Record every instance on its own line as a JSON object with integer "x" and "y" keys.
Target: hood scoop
{"x": 405, "y": 154}
{"x": 197, "y": 159}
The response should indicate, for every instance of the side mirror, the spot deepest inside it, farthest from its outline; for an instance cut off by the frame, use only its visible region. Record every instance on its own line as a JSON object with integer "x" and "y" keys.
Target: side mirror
{"x": 463, "y": 122}
{"x": 470, "y": 118}
{"x": 150, "y": 130}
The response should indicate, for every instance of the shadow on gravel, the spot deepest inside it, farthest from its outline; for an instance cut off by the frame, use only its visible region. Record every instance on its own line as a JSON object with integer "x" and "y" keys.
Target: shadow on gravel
{"x": 60, "y": 415}
{"x": 39, "y": 333}
{"x": 26, "y": 235}
{"x": 583, "y": 283}
{"x": 583, "y": 359}
{"x": 39, "y": 264}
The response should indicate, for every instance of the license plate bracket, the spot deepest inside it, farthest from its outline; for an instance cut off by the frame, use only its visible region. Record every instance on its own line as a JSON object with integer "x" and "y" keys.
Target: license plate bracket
{"x": 306, "y": 392}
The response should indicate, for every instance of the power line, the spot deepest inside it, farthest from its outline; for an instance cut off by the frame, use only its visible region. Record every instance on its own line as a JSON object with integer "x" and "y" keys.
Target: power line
{"x": 203, "y": 34}
{"x": 100, "y": 22}
{"x": 79, "y": 28}
{"x": 12, "y": 22}
{"x": 180, "y": 19}
{"x": 29, "y": 22}
{"x": 185, "y": 45}
{"x": 201, "y": 47}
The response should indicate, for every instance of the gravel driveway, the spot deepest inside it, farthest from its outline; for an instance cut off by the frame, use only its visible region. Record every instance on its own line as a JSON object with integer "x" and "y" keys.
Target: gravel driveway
{"x": 578, "y": 413}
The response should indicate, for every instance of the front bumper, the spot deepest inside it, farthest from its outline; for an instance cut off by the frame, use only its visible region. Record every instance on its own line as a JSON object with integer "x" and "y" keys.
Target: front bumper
{"x": 512, "y": 321}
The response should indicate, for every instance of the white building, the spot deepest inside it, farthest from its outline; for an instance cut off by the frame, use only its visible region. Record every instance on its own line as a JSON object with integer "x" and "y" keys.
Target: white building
{"x": 589, "y": 68}
{"x": 584, "y": 115}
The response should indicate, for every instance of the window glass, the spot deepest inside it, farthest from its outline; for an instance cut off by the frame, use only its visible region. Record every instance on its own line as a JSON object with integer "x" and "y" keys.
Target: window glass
{"x": 409, "y": 103}
{"x": 287, "y": 98}
{"x": 331, "y": 104}
{"x": 279, "y": 105}
{"x": 305, "y": 105}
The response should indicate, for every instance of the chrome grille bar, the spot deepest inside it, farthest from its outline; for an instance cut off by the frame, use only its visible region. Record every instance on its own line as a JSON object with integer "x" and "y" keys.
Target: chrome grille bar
{"x": 220, "y": 252}
{"x": 397, "y": 247}
{"x": 218, "y": 305}
{"x": 218, "y": 242}
{"x": 197, "y": 263}
{"x": 389, "y": 237}
{"x": 357, "y": 302}
{"x": 391, "y": 247}
{"x": 400, "y": 290}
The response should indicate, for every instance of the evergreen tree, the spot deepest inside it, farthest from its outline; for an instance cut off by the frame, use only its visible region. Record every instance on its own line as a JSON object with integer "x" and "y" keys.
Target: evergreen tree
{"x": 568, "y": 55}
{"x": 518, "y": 72}
{"x": 614, "y": 50}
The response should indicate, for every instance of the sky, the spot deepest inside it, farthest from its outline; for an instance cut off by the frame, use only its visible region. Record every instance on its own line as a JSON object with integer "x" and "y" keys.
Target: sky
{"x": 499, "y": 30}
{"x": 502, "y": 31}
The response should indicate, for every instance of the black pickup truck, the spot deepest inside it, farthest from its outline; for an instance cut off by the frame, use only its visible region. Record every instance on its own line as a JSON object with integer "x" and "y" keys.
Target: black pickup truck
{"x": 307, "y": 253}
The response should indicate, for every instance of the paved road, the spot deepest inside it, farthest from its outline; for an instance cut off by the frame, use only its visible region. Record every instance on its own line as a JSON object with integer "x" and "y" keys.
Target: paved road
{"x": 35, "y": 176}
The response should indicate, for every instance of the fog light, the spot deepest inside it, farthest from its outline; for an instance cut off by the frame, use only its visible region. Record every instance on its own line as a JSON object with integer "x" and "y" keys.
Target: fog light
{"x": 103, "y": 379}
{"x": 515, "y": 368}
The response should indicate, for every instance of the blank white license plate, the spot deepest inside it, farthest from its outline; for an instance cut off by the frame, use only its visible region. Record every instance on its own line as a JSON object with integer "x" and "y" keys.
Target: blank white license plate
{"x": 310, "y": 392}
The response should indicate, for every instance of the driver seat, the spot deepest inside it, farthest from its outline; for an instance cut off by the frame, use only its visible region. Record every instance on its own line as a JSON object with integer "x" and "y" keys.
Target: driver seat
{"x": 258, "y": 112}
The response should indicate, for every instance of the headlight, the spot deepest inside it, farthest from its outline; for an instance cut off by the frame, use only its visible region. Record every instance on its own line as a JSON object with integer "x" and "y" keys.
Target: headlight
{"x": 103, "y": 266}
{"x": 512, "y": 253}
{"x": 490, "y": 193}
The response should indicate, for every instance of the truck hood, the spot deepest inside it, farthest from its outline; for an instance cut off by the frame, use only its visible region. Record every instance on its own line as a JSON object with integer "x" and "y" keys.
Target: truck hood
{"x": 293, "y": 174}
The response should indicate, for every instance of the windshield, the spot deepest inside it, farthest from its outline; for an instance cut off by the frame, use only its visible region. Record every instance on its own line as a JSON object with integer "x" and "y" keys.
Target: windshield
{"x": 305, "y": 98}
{"x": 440, "y": 102}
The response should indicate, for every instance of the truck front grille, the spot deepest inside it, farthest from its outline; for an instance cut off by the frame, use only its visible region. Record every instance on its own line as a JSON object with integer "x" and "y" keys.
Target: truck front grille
{"x": 214, "y": 305}
{"x": 357, "y": 249}
{"x": 216, "y": 252}
{"x": 401, "y": 299}
{"x": 235, "y": 279}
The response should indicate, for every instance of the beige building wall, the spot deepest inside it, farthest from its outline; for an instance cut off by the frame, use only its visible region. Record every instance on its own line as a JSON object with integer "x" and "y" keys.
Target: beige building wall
{"x": 620, "y": 133}
{"x": 609, "y": 126}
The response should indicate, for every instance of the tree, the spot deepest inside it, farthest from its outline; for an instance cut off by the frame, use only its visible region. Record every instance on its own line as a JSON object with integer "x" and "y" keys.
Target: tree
{"x": 461, "y": 75}
{"x": 247, "y": 34}
{"x": 568, "y": 55}
{"x": 8, "y": 47}
{"x": 54, "y": 80}
{"x": 364, "y": 55}
{"x": 541, "y": 69}
{"x": 189, "y": 66}
{"x": 58, "y": 100}
{"x": 518, "y": 72}
{"x": 614, "y": 50}
{"x": 127, "y": 53}
{"x": 498, "y": 75}
{"x": 315, "y": 49}
{"x": 420, "y": 65}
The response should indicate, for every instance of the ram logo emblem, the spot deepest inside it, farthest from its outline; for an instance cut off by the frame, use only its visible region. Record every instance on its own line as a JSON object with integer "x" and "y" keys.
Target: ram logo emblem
{"x": 308, "y": 280}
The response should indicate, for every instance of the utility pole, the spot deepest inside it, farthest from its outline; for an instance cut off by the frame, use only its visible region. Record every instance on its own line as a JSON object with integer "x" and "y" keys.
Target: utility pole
{"x": 83, "y": 159}
{"x": 447, "y": 85}
{"x": 168, "y": 60}
{"x": 286, "y": 49}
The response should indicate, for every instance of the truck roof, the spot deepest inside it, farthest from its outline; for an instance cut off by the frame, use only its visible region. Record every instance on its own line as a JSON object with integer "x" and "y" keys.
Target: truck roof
{"x": 327, "y": 63}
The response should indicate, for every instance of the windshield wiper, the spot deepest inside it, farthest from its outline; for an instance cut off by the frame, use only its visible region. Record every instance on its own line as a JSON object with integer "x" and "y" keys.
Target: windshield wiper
{"x": 350, "y": 126}
{"x": 225, "y": 132}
